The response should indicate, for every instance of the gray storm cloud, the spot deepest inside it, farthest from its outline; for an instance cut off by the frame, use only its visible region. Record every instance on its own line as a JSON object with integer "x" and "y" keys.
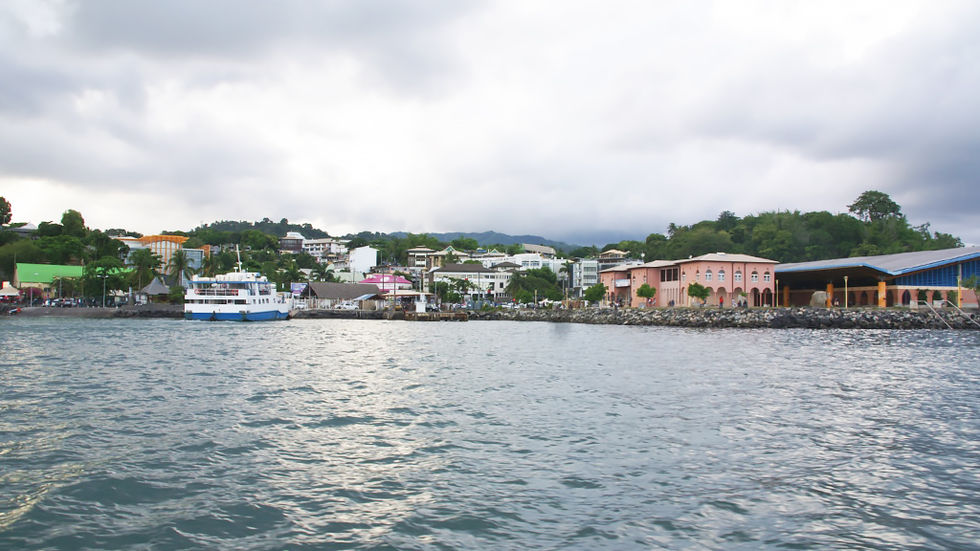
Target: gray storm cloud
{"x": 573, "y": 123}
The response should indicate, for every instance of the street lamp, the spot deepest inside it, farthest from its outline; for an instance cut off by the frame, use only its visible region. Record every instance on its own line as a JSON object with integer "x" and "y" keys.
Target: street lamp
{"x": 104, "y": 276}
{"x": 845, "y": 292}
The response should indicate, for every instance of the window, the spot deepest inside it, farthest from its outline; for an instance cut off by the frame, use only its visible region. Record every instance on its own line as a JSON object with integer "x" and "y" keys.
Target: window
{"x": 707, "y": 275}
{"x": 721, "y": 275}
{"x": 766, "y": 277}
{"x": 683, "y": 276}
{"x": 738, "y": 275}
{"x": 755, "y": 277}
{"x": 697, "y": 276}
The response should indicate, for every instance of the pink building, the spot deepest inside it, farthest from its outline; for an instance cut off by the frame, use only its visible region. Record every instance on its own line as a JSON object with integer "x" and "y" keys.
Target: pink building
{"x": 726, "y": 276}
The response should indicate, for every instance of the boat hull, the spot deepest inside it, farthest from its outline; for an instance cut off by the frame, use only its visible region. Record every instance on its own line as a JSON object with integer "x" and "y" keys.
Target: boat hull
{"x": 268, "y": 315}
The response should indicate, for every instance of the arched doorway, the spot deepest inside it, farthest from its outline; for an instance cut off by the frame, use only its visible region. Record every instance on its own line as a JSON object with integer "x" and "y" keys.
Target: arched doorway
{"x": 906, "y": 298}
{"x": 767, "y": 297}
{"x": 756, "y": 299}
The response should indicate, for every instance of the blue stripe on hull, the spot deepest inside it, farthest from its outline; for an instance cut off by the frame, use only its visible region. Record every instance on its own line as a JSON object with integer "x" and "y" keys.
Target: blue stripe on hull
{"x": 230, "y": 316}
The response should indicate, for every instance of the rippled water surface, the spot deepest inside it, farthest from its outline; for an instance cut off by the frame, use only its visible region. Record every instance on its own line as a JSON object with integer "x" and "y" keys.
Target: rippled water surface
{"x": 350, "y": 434}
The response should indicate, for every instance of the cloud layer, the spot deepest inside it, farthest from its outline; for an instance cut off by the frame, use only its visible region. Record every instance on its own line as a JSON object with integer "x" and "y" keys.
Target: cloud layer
{"x": 567, "y": 120}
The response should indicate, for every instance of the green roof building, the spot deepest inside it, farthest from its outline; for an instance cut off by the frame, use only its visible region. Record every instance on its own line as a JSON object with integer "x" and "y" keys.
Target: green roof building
{"x": 41, "y": 276}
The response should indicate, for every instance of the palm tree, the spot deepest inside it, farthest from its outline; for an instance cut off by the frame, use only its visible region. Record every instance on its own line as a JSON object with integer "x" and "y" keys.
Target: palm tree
{"x": 209, "y": 266}
{"x": 180, "y": 266}
{"x": 321, "y": 272}
{"x": 146, "y": 266}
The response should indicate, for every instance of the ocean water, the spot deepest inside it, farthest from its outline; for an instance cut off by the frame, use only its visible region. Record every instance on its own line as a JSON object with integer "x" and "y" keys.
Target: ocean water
{"x": 352, "y": 434}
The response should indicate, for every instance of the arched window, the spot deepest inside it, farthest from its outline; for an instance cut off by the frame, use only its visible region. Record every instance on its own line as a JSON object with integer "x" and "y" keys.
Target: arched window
{"x": 683, "y": 276}
{"x": 707, "y": 275}
{"x": 755, "y": 277}
{"x": 766, "y": 277}
{"x": 697, "y": 276}
{"x": 738, "y": 275}
{"x": 721, "y": 275}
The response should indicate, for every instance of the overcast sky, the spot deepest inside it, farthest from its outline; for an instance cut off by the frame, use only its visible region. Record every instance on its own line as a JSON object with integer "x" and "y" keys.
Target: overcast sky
{"x": 580, "y": 121}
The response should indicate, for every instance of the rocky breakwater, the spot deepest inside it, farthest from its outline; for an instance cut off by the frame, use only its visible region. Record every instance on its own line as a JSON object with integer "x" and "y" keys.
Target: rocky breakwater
{"x": 776, "y": 318}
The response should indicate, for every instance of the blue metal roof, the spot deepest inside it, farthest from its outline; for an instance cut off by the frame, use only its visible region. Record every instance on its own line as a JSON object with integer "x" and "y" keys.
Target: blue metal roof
{"x": 890, "y": 264}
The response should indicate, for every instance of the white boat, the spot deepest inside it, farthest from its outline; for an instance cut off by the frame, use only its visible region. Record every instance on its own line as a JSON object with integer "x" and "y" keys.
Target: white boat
{"x": 234, "y": 296}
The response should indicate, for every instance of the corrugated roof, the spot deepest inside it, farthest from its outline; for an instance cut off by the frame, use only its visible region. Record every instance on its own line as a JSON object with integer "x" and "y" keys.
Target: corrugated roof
{"x": 343, "y": 291}
{"x": 891, "y": 264}
{"x": 464, "y": 269}
{"x": 45, "y": 273}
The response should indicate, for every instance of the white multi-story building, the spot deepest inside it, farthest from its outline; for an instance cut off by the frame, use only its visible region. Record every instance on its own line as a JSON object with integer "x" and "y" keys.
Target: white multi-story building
{"x": 485, "y": 282}
{"x": 585, "y": 274}
{"x": 362, "y": 259}
{"x": 325, "y": 249}
{"x": 527, "y": 261}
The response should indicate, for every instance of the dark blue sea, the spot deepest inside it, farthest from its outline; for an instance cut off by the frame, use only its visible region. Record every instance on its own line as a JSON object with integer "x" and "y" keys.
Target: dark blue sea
{"x": 354, "y": 434}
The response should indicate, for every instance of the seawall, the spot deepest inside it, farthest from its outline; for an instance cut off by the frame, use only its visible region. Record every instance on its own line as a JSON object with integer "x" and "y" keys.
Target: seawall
{"x": 141, "y": 311}
{"x": 776, "y": 318}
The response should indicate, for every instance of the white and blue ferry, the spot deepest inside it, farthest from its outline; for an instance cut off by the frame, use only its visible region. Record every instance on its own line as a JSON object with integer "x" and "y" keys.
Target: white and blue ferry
{"x": 234, "y": 296}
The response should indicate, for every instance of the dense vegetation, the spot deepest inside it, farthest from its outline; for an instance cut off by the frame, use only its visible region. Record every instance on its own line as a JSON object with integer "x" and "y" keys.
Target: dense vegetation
{"x": 878, "y": 227}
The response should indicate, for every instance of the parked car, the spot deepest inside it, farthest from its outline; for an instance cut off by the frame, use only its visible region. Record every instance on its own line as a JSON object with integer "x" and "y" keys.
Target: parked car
{"x": 346, "y": 306}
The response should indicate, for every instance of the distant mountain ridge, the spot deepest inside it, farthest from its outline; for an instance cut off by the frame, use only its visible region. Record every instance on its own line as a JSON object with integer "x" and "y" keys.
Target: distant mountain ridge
{"x": 495, "y": 238}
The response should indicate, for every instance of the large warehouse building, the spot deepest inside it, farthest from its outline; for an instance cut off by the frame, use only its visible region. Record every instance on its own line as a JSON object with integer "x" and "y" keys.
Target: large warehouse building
{"x": 885, "y": 280}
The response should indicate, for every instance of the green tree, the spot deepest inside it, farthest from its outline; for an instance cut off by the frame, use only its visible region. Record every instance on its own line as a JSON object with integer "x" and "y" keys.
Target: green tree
{"x": 22, "y": 250}
{"x": 5, "y": 212}
{"x": 179, "y": 267}
{"x": 322, "y": 272}
{"x": 62, "y": 249}
{"x": 210, "y": 265}
{"x": 541, "y": 282}
{"x": 49, "y": 229}
{"x": 101, "y": 244}
{"x": 444, "y": 291}
{"x": 726, "y": 221}
{"x": 145, "y": 267}
{"x": 176, "y": 294}
{"x": 972, "y": 283}
{"x": 595, "y": 293}
{"x": 73, "y": 224}
{"x": 585, "y": 252}
{"x": 874, "y": 205}
{"x": 104, "y": 275}
{"x": 465, "y": 244}
{"x": 646, "y": 291}
{"x": 698, "y": 291}
{"x": 258, "y": 241}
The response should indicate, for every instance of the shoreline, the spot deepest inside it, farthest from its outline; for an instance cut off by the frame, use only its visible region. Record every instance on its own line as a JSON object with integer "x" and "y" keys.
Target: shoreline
{"x": 755, "y": 318}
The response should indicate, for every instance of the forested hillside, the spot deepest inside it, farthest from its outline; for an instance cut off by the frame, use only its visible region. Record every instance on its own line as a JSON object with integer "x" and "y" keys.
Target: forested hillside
{"x": 875, "y": 225}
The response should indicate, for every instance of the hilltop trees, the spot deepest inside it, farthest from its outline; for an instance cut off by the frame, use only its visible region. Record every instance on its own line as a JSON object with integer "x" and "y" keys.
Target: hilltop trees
{"x": 877, "y": 227}
{"x": 4, "y": 212}
{"x": 873, "y": 205}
